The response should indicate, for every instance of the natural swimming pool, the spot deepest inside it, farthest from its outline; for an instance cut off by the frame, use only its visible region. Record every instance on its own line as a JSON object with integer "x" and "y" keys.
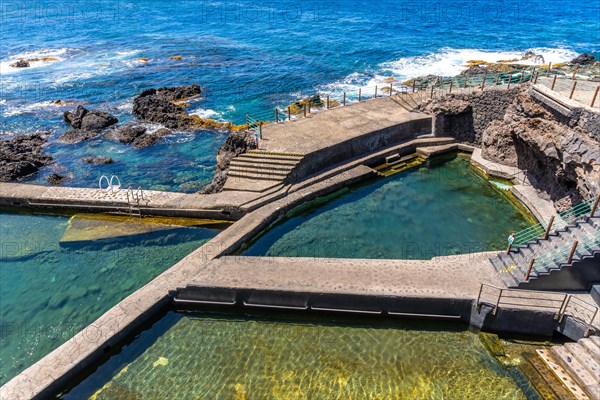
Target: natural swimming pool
{"x": 228, "y": 356}
{"x": 420, "y": 213}
{"x": 50, "y": 291}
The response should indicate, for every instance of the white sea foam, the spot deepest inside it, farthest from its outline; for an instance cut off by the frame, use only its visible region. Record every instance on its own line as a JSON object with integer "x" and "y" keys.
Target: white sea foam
{"x": 59, "y": 54}
{"x": 446, "y": 62}
{"x": 13, "y": 110}
{"x": 206, "y": 113}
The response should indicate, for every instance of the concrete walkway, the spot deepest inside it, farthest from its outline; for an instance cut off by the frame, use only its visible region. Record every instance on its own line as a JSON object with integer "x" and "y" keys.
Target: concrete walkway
{"x": 330, "y": 128}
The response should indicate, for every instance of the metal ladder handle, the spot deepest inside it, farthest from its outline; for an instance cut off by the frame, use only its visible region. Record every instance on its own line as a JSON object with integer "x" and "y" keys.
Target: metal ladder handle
{"x": 100, "y": 182}
{"x": 112, "y": 186}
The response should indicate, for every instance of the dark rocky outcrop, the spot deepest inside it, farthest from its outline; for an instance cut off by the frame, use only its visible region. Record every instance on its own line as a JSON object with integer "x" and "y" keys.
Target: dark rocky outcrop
{"x": 98, "y": 160}
{"x": 20, "y": 64}
{"x": 22, "y": 156}
{"x": 77, "y": 135}
{"x": 561, "y": 153}
{"x": 237, "y": 142}
{"x": 56, "y": 179}
{"x": 158, "y": 105}
{"x": 584, "y": 59}
{"x": 93, "y": 121}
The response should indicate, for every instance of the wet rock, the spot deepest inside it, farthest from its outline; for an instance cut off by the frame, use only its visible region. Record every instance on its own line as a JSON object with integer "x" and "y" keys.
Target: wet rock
{"x": 98, "y": 160}
{"x": 149, "y": 139}
{"x": 77, "y": 136}
{"x": 237, "y": 142}
{"x": 56, "y": 179}
{"x": 158, "y": 105}
{"x": 531, "y": 56}
{"x": 475, "y": 70}
{"x": 86, "y": 120}
{"x": 22, "y": 156}
{"x": 584, "y": 59}
{"x": 20, "y": 64}
{"x": 128, "y": 134}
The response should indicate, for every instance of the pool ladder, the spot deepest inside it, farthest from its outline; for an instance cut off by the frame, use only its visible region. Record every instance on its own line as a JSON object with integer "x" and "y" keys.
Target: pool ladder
{"x": 133, "y": 201}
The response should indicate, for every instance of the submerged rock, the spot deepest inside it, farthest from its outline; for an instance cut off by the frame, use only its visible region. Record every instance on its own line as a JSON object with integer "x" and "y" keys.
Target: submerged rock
{"x": 98, "y": 160}
{"x": 86, "y": 120}
{"x": 20, "y": 64}
{"x": 56, "y": 179}
{"x": 77, "y": 136}
{"x": 584, "y": 59}
{"x": 22, "y": 156}
{"x": 148, "y": 139}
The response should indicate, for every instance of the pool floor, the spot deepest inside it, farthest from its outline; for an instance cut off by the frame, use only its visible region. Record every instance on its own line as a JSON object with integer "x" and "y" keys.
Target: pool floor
{"x": 220, "y": 356}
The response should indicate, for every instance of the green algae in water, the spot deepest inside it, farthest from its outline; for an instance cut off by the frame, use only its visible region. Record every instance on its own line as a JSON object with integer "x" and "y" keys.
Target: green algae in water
{"x": 49, "y": 292}
{"x": 433, "y": 211}
{"x": 227, "y": 357}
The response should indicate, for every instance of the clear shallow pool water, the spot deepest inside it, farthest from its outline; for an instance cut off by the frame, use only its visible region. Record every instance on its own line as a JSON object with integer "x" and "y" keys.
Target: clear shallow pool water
{"x": 219, "y": 356}
{"x": 49, "y": 292}
{"x": 417, "y": 214}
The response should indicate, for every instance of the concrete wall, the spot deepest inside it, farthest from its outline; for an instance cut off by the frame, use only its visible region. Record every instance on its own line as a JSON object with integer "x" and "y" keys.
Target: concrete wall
{"x": 360, "y": 146}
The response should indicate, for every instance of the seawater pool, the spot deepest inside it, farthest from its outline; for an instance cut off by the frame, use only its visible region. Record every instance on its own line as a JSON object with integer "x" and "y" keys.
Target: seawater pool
{"x": 443, "y": 209}
{"x": 49, "y": 291}
{"x": 224, "y": 356}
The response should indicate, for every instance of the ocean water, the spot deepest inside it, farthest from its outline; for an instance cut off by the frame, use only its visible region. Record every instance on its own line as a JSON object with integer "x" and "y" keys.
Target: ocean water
{"x": 292, "y": 357}
{"x": 249, "y": 56}
{"x": 441, "y": 210}
{"x": 50, "y": 291}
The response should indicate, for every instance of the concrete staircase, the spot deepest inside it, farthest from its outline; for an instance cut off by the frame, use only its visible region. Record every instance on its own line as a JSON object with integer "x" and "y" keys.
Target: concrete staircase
{"x": 513, "y": 267}
{"x": 577, "y": 366}
{"x": 259, "y": 171}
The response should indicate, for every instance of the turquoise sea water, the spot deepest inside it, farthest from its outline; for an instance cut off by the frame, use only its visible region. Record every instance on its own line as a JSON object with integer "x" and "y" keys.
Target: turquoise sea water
{"x": 417, "y": 214}
{"x": 249, "y": 56}
{"x": 49, "y": 291}
{"x": 220, "y": 356}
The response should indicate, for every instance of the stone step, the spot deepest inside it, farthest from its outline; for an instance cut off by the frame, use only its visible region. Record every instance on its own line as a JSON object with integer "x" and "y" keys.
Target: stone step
{"x": 549, "y": 387}
{"x": 271, "y": 156}
{"x": 591, "y": 347}
{"x": 245, "y": 159}
{"x": 262, "y": 175}
{"x": 585, "y": 358}
{"x": 251, "y": 185}
{"x": 259, "y": 170}
{"x": 589, "y": 383}
{"x": 563, "y": 376}
{"x": 251, "y": 164}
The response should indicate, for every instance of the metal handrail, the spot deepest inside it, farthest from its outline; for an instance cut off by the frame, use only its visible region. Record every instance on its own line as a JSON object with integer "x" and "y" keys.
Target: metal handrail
{"x": 565, "y": 300}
